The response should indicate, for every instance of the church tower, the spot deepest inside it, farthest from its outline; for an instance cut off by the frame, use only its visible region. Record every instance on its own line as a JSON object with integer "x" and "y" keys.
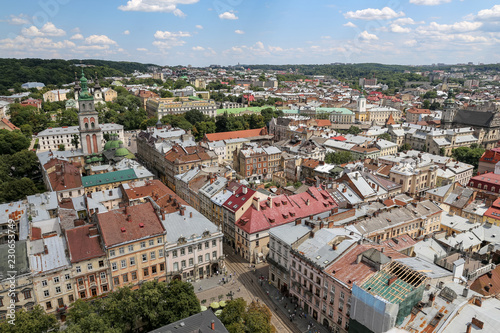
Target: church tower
{"x": 449, "y": 111}
{"x": 360, "y": 113}
{"x": 88, "y": 119}
{"x": 98, "y": 99}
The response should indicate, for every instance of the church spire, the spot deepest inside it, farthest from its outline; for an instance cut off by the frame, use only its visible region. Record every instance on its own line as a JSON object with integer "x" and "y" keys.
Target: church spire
{"x": 84, "y": 95}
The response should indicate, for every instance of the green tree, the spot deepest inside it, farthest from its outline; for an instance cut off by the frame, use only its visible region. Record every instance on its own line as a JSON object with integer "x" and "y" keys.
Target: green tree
{"x": 75, "y": 141}
{"x": 27, "y": 130}
{"x": 385, "y": 136}
{"x": 339, "y": 157}
{"x": 202, "y": 128}
{"x": 233, "y": 312}
{"x": 12, "y": 141}
{"x": 354, "y": 130}
{"x": 61, "y": 147}
{"x": 34, "y": 321}
{"x": 468, "y": 155}
{"x": 68, "y": 117}
{"x": 405, "y": 147}
{"x": 258, "y": 319}
{"x": 194, "y": 116}
{"x": 166, "y": 94}
{"x": 426, "y": 104}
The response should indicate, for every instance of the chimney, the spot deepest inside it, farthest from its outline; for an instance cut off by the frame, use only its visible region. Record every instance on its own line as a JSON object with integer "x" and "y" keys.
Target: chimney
{"x": 308, "y": 202}
{"x": 163, "y": 216}
{"x": 359, "y": 258}
{"x": 93, "y": 231}
{"x": 181, "y": 211}
{"x": 477, "y": 323}
{"x": 270, "y": 202}
{"x": 334, "y": 246}
{"x": 191, "y": 214}
{"x": 244, "y": 190}
{"x": 212, "y": 326}
{"x": 129, "y": 217}
{"x": 431, "y": 299}
{"x": 255, "y": 203}
{"x": 465, "y": 292}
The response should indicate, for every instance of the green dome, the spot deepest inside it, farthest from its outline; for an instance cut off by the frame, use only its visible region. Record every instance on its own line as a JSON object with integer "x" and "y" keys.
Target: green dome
{"x": 94, "y": 159}
{"x": 122, "y": 152}
{"x": 130, "y": 156}
{"x": 112, "y": 144}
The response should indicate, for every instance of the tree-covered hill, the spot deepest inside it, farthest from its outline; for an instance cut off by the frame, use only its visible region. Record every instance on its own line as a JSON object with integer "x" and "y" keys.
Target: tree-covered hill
{"x": 57, "y": 72}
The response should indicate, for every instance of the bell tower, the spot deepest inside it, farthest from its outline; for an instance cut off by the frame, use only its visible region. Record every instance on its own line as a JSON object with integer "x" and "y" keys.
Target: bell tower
{"x": 449, "y": 111}
{"x": 88, "y": 120}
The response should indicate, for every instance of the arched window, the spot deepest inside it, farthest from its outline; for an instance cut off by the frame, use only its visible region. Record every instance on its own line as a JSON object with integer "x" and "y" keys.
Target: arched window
{"x": 486, "y": 187}
{"x": 92, "y": 125}
{"x": 83, "y": 106}
{"x": 86, "y": 125}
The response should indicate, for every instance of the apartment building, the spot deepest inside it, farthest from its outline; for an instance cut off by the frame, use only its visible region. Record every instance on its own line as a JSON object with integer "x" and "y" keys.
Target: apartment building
{"x": 258, "y": 163}
{"x": 160, "y": 107}
{"x": 233, "y": 208}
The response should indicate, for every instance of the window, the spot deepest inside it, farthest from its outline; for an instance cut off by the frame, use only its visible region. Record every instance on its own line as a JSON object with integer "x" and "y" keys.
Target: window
{"x": 191, "y": 262}
{"x": 89, "y": 266}
{"x": 44, "y": 283}
{"x": 116, "y": 280}
{"x": 214, "y": 255}
{"x": 105, "y": 288}
{"x": 121, "y": 250}
{"x": 69, "y": 286}
{"x": 78, "y": 269}
{"x": 146, "y": 271}
{"x": 200, "y": 259}
{"x": 159, "y": 240}
{"x": 111, "y": 253}
{"x": 151, "y": 242}
{"x": 199, "y": 246}
{"x": 130, "y": 248}
{"x": 152, "y": 255}
{"x": 125, "y": 278}
{"x": 46, "y": 293}
{"x": 123, "y": 263}
{"x": 134, "y": 275}
{"x": 183, "y": 264}
{"x": 27, "y": 294}
{"x": 71, "y": 299}
{"x": 132, "y": 261}
{"x": 143, "y": 245}
{"x": 153, "y": 269}
{"x": 183, "y": 251}
{"x": 58, "y": 290}
{"x": 214, "y": 243}
{"x": 162, "y": 267}
{"x": 66, "y": 277}
{"x": 207, "y": 257}
{"x": 207, "y": 245}
{"x": 48, "y": 305}
{"x": 174, "y": 253}
{"x": 101, "y": 263}
{"x": 56, "y": 279}
{"x": 144, "y": 257}
{"x": 190, "y": 249}
{"x": 114, "y": 267}
{"x": 176, "y": 266}
{"x": 103, "y": 276}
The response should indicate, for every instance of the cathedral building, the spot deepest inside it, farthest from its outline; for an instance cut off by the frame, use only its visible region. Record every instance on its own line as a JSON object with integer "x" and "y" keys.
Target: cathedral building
{"x": 89, "y": 134}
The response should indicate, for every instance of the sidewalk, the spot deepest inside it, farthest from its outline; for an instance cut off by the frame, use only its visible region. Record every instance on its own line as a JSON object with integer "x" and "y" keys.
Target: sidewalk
{"x": 306, "y": 325}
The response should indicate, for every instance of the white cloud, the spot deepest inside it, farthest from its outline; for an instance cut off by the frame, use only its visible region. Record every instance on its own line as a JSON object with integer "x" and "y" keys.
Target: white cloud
{"x": 199, "y": 27}
{"x": 488, "y": 14}
{"x": 239, "y": 32}
{"x": 435, "y": 28}
{"x": 48, "y": 29}
{"x": 365, "y": 35}
{"x": 228, "y": 16}
{"x": 19, "y": 19}
{"x": 429, "y": 2}
{"x": 350, "y": 25}
{"x": 171, "y": 35}
{"x": 77, "y": 36}
{"x": 198, "y": 48}
{"x": 405, "y": 21}
{"x": 410, "y": 43}
{"x": 385, "y": 13}
{"x": 168, "y": 39}
{"x": 142, "y": 49}
{"x": 399, "y": 29}
{"x": 162, "y": 6}
{"x": 34, "y": 44}
{"x": 126, "y": 32}
{"x": 100, "y": 39}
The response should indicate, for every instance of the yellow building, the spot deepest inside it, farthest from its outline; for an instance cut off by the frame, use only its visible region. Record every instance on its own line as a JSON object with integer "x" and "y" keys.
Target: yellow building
{"x": 109, "y": 94}
{"x": 134, "y": 239}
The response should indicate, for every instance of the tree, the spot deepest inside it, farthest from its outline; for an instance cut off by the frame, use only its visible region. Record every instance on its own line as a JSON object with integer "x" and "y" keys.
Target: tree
{"x": 468, "y": 155}
{"x": 442, "y": 151}
{"x": 34, "y": 321}
{"x": 61, "y": 147}
{"x": 27, "y": 130}
{"x": 68, "y": 117}
{"x": 233, "y": 312}
{"x": 339, "y": 157}
{"x": 426, "y": 104}
{"x": 405, "y": 147}
{"x": 194, "y": 116}
{"x": 12, "y": 141}
{"x": 354, "y": 130}
{"x": 385, "y": 136}
{"x": 258, "y": 319}
{"x": 200, "y": 129}
{"x": 75, "y": 141}
{"x": 237, "y": 317}
{"x": 166, "y": 94}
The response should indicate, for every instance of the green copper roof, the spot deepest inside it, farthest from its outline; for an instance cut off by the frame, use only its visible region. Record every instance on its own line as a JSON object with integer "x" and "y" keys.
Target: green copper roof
{"x": 84, "y": 94}
{"x": 112, "y": 144}
{"x": 108, "y": 178}
{"x": 122, "y": 152}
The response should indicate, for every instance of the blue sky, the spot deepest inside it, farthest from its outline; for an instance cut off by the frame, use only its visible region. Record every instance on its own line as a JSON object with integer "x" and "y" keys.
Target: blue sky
{"x": 227, "y": 32}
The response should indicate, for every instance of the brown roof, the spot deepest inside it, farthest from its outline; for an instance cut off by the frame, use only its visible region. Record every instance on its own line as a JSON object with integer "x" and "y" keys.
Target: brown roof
{"x": 164, "y": 197}
{"x": 418, "y": 111}
{"x": 487, "y": 284}
{"x": 66, "y": 175}
{"x": 180, "y": 155}
{"x": 9, "y": 124}
{"x": 83, "y": 246}
{"x": 236, "y": 134}
{"x": 129, "y": 224}
{"x": 310, "y": 163}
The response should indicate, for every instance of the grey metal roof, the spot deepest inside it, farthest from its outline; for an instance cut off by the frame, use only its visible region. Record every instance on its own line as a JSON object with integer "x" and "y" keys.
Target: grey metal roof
{"x": 197, "y": 323}
{"x": 289, "y": 233}
{"x": 425, "y": 267}
{"x": 187, "y": 226}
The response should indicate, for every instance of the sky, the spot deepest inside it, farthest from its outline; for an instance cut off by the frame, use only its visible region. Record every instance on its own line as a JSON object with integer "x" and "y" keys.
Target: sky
{"x": 228, "y": 32}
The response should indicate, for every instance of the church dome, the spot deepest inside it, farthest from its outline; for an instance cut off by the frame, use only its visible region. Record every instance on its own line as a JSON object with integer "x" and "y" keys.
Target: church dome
{"x": 112, "y": 144}
{"x": 122, "y": 152}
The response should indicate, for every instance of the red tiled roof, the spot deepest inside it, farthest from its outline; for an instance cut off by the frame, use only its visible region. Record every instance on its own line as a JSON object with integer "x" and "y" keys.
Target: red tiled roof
{"x": 238, "y": 198}
{"x": 310, "y": 163}
{"x": 81, "y": 245}
{"x": 285, "y": 209}
{"x": 236, "y": 134}
{"x": 117, "y": 228}
{"x": 489, "y": 177}
{"x": 323, "y": 122}
{"x": 164, "y": 197}
{"x": 490, "y": 156}
{"x": 494, "y": 211}
{"x": 36, "y": 233}
{"x": 349, "y": 271}
{"x": 338, "y": 138}
{"x": 9, "y": 124}
{"x": 65, "y": 176}
{"x": 486, "y": 282}
{"x": 179, "y": 154}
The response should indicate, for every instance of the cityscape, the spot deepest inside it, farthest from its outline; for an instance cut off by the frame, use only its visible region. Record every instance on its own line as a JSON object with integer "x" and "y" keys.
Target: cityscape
{"x": 182, "y": 166}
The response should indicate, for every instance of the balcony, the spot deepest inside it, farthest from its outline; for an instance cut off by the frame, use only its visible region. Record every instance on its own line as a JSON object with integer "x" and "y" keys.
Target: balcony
{"x": 62, "y": 308}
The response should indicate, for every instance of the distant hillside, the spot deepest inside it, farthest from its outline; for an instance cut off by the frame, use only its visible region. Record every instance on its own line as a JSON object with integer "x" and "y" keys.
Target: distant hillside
{"x": 15, "y": 72}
